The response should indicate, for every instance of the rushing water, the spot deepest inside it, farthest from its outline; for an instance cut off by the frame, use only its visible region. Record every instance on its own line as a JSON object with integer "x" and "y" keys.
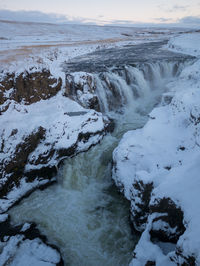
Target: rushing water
{"x": 83, "y": 214}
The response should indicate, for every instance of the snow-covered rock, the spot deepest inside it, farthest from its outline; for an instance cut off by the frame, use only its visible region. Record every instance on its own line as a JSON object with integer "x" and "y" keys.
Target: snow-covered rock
{"x": 27, "y": 87}
{"x": 38, "y": 129}
{"x": 24, "y": 245}
{"x": 157, "y": 168}
{"x": 80, "y": 86}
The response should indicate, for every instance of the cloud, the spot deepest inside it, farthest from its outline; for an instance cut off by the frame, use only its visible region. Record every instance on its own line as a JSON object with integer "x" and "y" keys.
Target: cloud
{"x": 163, "y": 20}
{"x": 37, "y": 16}
{"x": 3, "y": 4}
{"x": 190, "y": 20}
{"x": 178, "y": 7}
{"x": 187, "y": 22}
{"x": 122, "y": 22}
{"x": 174, "y": 8}
{"x": 31, "y": 16}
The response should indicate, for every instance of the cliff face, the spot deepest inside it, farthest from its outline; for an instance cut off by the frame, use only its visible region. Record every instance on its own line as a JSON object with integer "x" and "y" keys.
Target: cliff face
{"x": 157, "y": 169}
{"x": 28, "y": 88}
{"x": 39, "y": 128}
{"x": 82, "y": 89}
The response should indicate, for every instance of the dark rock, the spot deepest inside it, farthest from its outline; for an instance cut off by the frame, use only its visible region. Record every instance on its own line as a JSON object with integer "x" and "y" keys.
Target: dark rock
{"x": 85, "y": 85}
{"x": 14, "y": 166}
{"x": 184, "y": 260}
{"x": 194, "y": 119}
{"x": 42, "y": 166}
{"x": 140, "y": 208}
{"x": 93, "y": 103}
{"x": 181, "y": 148}
{"x": 150, "y": 263}
{"x": 31, "y": 232}
{"x": 170, "y": 217}
{"x": 111, "y": 126}
{"x": 28, "y": 87}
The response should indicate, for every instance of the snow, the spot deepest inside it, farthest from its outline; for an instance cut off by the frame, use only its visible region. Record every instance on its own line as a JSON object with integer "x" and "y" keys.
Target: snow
{"x": 52, "y": 115}
{"x": 61, "y": 131}
{"x": 148, "y": 251}
{"x": 3, "y": 217}
{"x": 34, "y": 46}
{"x": 166, "y": 152}
{"x": 186, "y": 43}
{"x": 18, "y": 34}
{"x": 17, "y": 251}
{"x": 18, "y": 192}
{"x": 25, "y": 227}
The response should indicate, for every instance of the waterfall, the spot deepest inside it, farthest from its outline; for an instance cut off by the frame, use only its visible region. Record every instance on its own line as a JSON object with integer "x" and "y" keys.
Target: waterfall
{"x": 83, "y": 214}
{"x": 118, "y": 89}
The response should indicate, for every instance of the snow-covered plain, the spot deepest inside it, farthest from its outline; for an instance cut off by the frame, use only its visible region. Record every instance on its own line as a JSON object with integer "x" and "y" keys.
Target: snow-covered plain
{"x": 165, "y": 153}
{"x": 24, "y": 45}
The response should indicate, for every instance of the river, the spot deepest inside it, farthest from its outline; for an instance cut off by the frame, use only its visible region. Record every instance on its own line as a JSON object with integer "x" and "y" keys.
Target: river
{"x": 84, "y": 214}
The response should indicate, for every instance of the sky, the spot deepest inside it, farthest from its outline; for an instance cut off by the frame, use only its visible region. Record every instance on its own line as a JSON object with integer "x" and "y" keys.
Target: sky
{"x": 110, "y": 11}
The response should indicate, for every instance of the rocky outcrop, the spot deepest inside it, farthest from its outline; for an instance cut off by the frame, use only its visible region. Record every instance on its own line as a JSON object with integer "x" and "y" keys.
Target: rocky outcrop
{"x": 36, "y": 135}
{"x": 157, "y": 169}
{"x": 24, "y": 242}
{"x": 140, "y": 199}
{"x": 14, "y": 165}
{"x": 81, "y": 88}
{"x": 29, "y": 156}
{"x": 168, "y": 225}
{"x": 183, "y": 259}
{"x": 28, "y": 87}
{"x": 40, "y": 128}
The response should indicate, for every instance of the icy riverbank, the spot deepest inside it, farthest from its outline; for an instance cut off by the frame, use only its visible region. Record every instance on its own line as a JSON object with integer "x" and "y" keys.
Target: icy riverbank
{"x": 157, "y": 168}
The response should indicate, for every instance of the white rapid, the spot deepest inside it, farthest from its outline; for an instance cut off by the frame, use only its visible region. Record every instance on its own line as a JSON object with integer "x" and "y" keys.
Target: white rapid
{"x": 83, "y": 214}
{"x": 132, "y": 85}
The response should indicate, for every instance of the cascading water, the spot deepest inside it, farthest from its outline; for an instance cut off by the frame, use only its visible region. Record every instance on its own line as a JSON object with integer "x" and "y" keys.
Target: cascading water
{"x": 83, "y": 214}
{"x": 130, "y": 86}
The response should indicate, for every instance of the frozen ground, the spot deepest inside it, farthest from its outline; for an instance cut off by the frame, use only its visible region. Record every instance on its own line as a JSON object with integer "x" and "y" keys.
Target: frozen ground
{"x": 165, "y": 153}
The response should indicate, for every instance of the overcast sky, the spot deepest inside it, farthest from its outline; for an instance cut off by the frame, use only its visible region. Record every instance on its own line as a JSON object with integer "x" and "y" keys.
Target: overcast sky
{"x": 111, "y": 11}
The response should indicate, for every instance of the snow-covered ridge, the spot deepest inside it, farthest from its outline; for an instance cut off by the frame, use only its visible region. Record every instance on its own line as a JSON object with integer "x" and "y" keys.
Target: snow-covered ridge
{"x": 157, "y": 168}
{"x": 38, "y": 135}
{"x": 186, "y": 43}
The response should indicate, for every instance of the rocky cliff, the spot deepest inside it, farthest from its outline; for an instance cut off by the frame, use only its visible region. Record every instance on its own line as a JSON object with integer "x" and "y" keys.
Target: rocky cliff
{"x": 39, "y": 128}
{"x": 157, "y": 169}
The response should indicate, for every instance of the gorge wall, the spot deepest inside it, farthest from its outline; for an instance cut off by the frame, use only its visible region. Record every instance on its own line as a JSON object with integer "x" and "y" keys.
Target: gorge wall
{"x": 45, "y": 120}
